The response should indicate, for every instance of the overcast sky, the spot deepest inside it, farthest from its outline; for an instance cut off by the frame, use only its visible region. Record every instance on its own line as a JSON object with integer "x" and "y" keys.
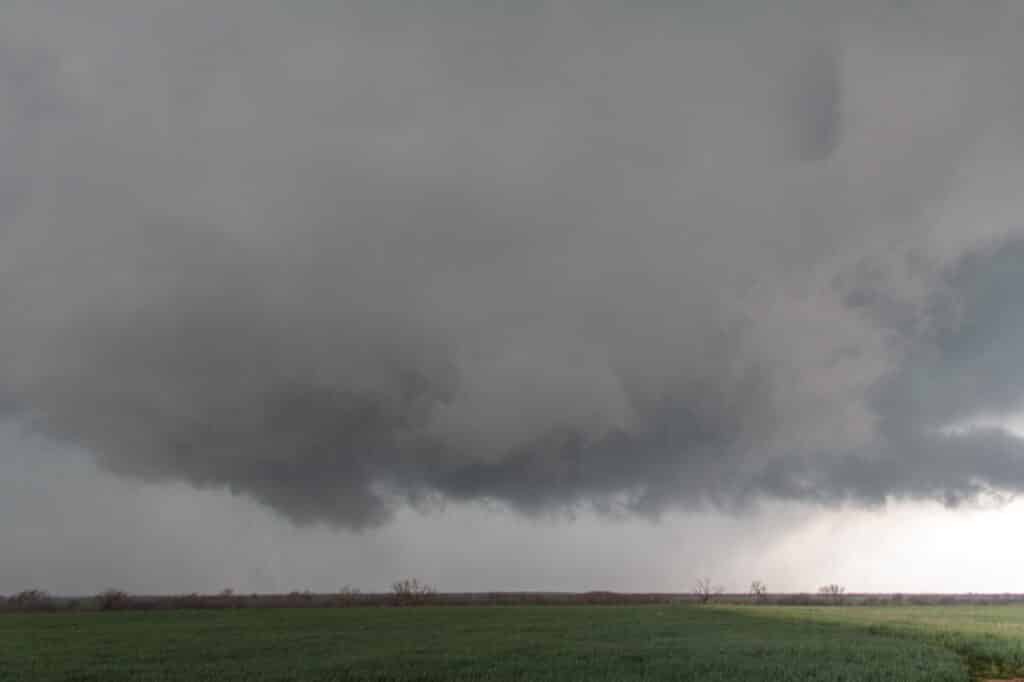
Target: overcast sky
{"x": 537, "y": 295}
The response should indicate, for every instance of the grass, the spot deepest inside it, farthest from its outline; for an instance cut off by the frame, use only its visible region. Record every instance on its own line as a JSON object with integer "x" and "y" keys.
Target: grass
{"x": 461, "y": 644}
{"x": 989, "y": 638}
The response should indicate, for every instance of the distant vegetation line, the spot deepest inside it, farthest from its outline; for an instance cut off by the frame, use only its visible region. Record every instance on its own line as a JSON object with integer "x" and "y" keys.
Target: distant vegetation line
{"x": 412, "y": 593}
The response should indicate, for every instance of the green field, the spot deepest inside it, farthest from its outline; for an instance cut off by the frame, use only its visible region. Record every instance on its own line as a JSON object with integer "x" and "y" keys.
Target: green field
{"x": 989, "y": 638}
{"x": 516, "y": 643}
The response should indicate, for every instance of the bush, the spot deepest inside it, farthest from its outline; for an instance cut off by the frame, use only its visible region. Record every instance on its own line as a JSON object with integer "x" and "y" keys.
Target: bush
{"x": 599, "y": 597}
{"x": 297, "y": 598}
{"x": 190, "y": 601}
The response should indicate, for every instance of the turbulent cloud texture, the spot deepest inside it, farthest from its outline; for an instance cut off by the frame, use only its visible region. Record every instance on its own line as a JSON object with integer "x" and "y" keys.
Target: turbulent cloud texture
{"x": 341, "y": 257}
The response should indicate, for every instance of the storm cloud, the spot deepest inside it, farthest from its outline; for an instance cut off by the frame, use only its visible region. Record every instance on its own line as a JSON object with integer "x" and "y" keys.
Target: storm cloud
{"x": 346, "y": 257}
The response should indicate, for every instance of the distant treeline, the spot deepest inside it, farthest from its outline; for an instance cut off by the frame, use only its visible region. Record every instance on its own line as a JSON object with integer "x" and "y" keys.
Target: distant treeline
{"x": 114, "y": 600}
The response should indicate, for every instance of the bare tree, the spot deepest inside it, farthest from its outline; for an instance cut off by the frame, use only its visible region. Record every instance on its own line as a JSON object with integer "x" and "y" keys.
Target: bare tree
{"x": 31, "y": 600}
{"x": 706, "y": 591}
{"x": 411, "y": 590}
{"x": 346, "y": 596}
{"x": 833, "y": 592}
{"x": 111, "y": 599}
{"x": 758, "y": 591}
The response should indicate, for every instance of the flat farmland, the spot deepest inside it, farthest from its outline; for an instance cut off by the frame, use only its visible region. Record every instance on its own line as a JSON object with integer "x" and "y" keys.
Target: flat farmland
{"x": 989, "y": 638}
{"x": 657, "y": 642}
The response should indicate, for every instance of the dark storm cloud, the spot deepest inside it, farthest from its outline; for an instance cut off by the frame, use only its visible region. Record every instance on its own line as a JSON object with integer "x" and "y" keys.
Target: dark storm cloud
{"x": 343, "y": 257}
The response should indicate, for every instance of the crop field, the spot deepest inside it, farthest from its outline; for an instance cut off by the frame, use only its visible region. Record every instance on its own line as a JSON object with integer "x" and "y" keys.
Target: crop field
{"x": 989, "y": 638}
{"x": 657, "y": 642}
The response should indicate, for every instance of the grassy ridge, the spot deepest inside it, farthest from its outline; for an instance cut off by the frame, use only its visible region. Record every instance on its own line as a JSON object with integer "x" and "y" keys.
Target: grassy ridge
{"x": 989, "y": 638}
{"x": 461, "y": 644}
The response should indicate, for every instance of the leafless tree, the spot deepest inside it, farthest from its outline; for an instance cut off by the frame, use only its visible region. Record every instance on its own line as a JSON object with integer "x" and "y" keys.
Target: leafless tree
{"x": 706, "y": 591}
{"x": 833, "y": 592}
{"x": 31, "y": 600}
{"x": 346, "y": 596}
{"x": 758, "y": 591}
{"x": 411, "y": 590}
{"x": 111, "y": 599}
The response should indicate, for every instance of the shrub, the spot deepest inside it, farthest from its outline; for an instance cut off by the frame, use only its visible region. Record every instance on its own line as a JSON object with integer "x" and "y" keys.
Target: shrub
{"x": 190, "y": 601}
{"x": 599, "y": 597}
{"x": 297, "y": 598}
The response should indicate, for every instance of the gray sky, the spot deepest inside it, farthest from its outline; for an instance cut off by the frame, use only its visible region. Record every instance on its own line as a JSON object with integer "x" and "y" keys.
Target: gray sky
{"x": 297, "y": 291}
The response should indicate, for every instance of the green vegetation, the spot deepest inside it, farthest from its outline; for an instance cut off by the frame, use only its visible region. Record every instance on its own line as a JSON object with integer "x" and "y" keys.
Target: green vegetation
{"x": 989, "y": 638}
{"x": 450, "y": 643}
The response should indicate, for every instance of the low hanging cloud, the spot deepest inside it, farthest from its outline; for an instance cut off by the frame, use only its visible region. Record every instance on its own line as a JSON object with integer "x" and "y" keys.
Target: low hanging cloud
{"x": 343, "y": 257}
